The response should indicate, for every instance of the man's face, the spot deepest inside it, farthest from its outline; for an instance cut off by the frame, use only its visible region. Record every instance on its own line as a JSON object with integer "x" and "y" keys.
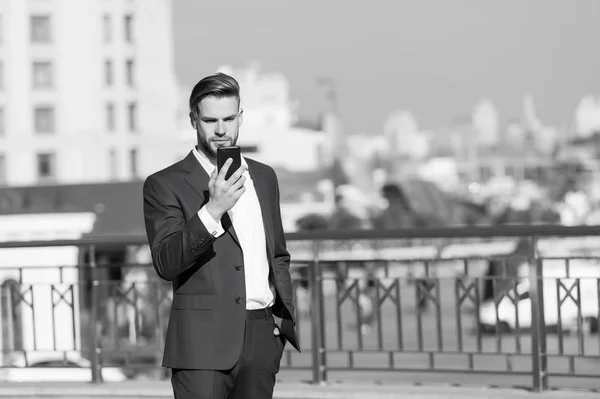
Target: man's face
{"x": 217, "y": 124}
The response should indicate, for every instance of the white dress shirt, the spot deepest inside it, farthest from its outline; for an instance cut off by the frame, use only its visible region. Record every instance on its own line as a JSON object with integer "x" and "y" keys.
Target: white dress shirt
{"x": 246, "y": 217}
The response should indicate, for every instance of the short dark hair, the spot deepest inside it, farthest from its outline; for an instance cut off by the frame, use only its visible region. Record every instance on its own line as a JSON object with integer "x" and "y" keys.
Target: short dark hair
{"x": 217, "y": 85}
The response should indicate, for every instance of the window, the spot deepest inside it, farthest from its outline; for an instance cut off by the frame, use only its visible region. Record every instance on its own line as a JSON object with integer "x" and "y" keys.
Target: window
{"x": 486, "y": 172}
{"x": 110, "y": 117}
{"x": 108, "y": 72}
{"x": 46, "y": 166}
{"x": 131, "y": 116}
{"x": 107, "y": 28}
{"x": 128, "y": 28}
{"x": 2, "y": 128}
{"x": 2, "y": 169}
{"x": 44, "y": 119}
{"x": 42, "y": 75}
{"x": 133, "y": 159}
{"x": 129, "y": 71}
{"x": 112, "y": 163}
{"x": 40, "y": 29}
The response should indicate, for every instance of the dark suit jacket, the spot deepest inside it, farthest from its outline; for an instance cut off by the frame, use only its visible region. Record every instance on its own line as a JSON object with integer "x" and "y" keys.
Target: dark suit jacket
{"x": 206, "y": 325}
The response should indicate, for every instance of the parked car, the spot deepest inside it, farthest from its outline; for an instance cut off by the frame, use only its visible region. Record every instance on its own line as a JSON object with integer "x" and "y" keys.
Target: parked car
{"x": 54, "y": 367}
{"x": 518, "y": 301}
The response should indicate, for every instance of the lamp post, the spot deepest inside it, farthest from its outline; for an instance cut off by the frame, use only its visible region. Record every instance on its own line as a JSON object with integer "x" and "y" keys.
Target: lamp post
{"x": 331, "y": 124}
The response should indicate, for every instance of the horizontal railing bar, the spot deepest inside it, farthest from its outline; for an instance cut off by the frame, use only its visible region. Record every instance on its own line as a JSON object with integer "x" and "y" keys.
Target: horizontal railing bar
{"x": 440, "y": 370}
{"x": 578, "y": 375}
{"x": 407, "y": 262}
{"x": 452, "y": 353}
{"x": 80, "y": 242}
{"x": 428, "y": 352}
{"x": 448, "y": 259}
{"x": 288, "y": 367}
{"x": 450, "y": 232}
{"x": 432, "y": 260}
{"x": 415, "y": 233}
{"x": 569, "y": 355}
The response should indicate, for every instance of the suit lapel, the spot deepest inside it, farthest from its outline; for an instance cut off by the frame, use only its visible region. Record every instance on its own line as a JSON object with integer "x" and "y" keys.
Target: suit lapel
{"x": 261, "y": 187}
{"x": 197, "y": 177}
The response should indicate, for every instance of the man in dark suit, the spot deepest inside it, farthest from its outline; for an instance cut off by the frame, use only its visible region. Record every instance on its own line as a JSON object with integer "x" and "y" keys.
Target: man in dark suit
{"x": 221, "y": 243}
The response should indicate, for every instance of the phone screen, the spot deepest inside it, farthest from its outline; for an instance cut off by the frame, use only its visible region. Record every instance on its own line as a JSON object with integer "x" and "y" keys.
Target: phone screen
{"x": 224, "y": 153}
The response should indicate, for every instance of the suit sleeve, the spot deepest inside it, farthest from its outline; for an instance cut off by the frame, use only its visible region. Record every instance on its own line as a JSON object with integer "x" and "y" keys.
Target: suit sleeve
{"x": 281, "y": 255}
{"x": 175, "y": 243}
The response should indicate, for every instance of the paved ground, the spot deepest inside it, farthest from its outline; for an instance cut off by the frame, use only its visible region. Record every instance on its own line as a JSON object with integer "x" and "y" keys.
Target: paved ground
{"x": 284, "y": 390}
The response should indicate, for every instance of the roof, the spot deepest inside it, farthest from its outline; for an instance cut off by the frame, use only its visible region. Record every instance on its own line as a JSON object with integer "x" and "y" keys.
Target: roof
{"x": 118, "y": 205}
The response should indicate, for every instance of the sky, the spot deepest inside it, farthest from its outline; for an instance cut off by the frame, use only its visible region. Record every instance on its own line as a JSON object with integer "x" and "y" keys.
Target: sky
{"x": 435, "y": 58}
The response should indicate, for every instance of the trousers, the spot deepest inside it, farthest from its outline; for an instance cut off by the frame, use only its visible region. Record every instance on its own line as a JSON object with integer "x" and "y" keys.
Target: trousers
{"x": 253, "y": 376}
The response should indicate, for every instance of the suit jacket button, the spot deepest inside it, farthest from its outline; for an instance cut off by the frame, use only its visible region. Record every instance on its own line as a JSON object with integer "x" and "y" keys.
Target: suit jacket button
{"x": 238, "y": 268}
{"x": 238, "y": 300}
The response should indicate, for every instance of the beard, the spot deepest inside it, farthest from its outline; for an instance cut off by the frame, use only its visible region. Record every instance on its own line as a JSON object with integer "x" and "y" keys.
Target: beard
{"x": 209, "y": 147}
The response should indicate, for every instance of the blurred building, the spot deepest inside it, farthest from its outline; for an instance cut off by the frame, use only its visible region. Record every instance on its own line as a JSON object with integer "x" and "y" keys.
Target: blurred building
{"x": 403, "y": 136}
{"x": 485, "y": 122}
{"x": 587, "y": 117}
{"x": 87, "y": 90}
{"x": 483, "y": 147}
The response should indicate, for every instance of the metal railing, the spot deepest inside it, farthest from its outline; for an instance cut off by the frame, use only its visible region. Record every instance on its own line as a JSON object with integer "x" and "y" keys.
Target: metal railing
{"x": 518, "y": 301}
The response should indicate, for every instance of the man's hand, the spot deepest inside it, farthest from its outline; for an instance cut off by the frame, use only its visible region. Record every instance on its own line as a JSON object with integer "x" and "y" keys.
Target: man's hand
{"x": 223, "y": 194}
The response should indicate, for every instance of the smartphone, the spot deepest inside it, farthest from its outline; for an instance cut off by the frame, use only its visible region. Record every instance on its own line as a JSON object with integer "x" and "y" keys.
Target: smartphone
{"x": 224, "y": 153}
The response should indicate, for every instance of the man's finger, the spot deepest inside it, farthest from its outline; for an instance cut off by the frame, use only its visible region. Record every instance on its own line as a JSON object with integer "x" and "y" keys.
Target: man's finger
{"x": 239, "y": 183}
{"x": 213, "y": 177}
{"x": 224, "y": 169}
{"x": 238, "y": 193}
{"x": 238, "y": 173}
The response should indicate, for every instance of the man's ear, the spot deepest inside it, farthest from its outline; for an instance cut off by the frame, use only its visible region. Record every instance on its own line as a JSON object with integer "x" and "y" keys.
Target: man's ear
{"x": 241, "y": 117}
{"x": 193, "y": 119}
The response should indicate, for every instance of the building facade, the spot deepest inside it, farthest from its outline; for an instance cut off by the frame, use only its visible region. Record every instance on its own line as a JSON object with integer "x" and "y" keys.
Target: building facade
{"x": 87, "y": 90}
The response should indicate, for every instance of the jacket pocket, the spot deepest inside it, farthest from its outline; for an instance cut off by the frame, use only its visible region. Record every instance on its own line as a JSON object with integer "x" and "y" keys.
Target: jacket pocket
{"x": 195, "y": 301}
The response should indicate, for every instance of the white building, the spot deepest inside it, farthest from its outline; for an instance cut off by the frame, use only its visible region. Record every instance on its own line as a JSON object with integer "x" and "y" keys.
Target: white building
{"x": 403, "y": 136}
{"x": 87, "y": 90}
{"x": 587, "y": 116}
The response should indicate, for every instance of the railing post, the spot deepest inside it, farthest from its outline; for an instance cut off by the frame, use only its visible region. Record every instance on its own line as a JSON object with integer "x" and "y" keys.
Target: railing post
{"x": 317, "y": 318}
{"x": 94, "y": 347}
{"x": 538, "y": 323}
{"x": 10, "y": 327}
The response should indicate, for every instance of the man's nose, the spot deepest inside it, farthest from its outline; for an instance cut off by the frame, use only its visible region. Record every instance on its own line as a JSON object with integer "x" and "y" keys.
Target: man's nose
{"x": 220, "y": 130}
